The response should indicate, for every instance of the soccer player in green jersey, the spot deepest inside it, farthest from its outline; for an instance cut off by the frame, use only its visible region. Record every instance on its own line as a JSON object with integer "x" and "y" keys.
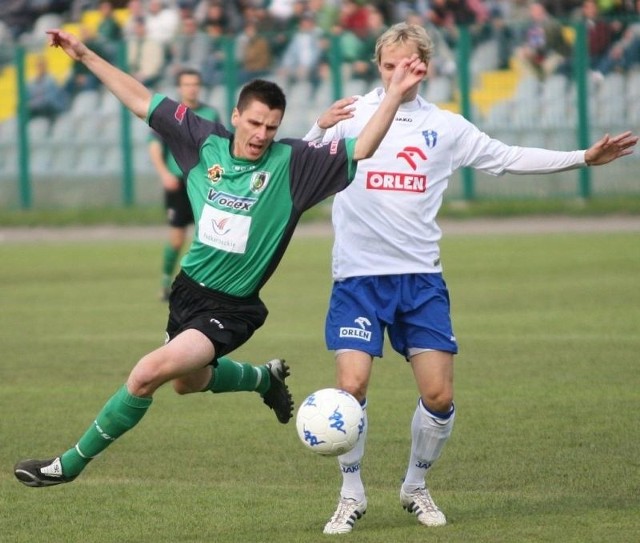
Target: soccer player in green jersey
{"x": 247, "y": 193}
{"x": 176, "y": 200}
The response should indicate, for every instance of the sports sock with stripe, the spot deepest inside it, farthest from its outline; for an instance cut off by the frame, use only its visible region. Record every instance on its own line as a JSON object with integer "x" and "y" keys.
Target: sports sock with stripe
{"x": 232, "y": 376}
{"x": 121, "y": 413}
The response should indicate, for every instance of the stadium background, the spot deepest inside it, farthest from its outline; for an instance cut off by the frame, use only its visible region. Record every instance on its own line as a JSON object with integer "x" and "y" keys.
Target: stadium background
{"x": 95, "y": 153}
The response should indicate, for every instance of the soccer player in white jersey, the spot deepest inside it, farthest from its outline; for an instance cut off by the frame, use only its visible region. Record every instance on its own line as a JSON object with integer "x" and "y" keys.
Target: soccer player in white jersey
{"x": 386, "y": 260}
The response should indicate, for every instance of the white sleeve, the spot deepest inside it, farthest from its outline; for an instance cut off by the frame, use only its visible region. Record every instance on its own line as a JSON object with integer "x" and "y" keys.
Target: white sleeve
{"x": 528, "y": 160}
{"x": 477, "y": 150}
{"x": 324, "y": 134}
{"x": 315, "y": 134}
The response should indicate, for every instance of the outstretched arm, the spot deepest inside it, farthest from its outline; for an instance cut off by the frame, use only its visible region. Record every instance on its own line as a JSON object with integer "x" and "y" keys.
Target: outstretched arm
{"x": 407, "y": 75}
{"x": 610, "y": 148}
{"x": 127, "y": 89}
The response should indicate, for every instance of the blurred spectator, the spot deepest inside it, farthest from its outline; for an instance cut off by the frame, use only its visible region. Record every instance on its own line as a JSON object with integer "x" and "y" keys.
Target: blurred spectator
{"x": 18, "y": 15}
{"x": 281, "y": 10}
{"x": 228, "y": 11}
{"x": 449, "y": 15}
{"x": 253, "y": 53}
{"x": 501, "y": 29}
{"x": 624, "y": 53}
{"x": 545, "y": 50}
{"x": 78, "y": 7}
{"x": 562, "y": 8}
{"x": 326, "y": 13}
{"x": 81, "y": 78}
{"x": 45, "y": 97}
{"x": 364, "y": 66}
{"x": 162, "y": 22}
{"x": 600, "y": 33}
{"x": 6, "y": 45}
{"x": 135, "y": 10}
{"x": 352, "y": 29}
{"x": 109, "y": 32}
{"x": 214, "y": 15}
{"x": 213, "y": 69}
{"x": 280, "y": 30}
{"x": 301, "y": 58}
{"x": 145, "y": 55}
{"x": 189, "y": 49}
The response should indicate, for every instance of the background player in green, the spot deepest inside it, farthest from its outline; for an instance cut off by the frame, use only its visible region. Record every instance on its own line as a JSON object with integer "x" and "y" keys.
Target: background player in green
{"x": 176, "y": 200}
{"x": 247, "y": 192}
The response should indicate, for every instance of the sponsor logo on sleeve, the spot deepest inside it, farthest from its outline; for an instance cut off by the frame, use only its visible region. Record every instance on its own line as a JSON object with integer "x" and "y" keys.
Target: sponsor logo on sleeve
{"x": 180, "y": 112}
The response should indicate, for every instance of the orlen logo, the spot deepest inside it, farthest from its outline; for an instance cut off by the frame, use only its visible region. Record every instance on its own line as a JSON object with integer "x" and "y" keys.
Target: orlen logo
{"x": 181, "y": 111}
{"x": 411, "y": 154}
{"x": 400, "y": 182}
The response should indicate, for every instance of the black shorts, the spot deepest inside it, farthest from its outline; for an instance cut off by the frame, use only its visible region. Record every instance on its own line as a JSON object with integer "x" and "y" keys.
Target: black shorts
{"x": 176, "y": 202}
{"x": 228, "y": 321}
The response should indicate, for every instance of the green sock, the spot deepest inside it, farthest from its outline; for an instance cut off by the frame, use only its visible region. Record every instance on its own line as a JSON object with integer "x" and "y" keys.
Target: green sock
{"x": 231, "y": 376}
{"x": 169, "y": 261}
{"x": 121, "y": 413}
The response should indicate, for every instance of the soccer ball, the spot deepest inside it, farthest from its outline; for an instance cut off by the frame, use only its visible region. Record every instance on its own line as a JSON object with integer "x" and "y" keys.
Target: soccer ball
{"x": 330, "y": 421}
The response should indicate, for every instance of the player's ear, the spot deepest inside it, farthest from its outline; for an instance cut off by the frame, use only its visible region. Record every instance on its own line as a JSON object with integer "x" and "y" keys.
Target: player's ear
{"x": 235, "y": 116}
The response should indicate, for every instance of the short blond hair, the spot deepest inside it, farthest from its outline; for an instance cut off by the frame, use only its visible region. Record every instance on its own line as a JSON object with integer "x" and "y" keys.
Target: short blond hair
{"x": 402, "y": 33}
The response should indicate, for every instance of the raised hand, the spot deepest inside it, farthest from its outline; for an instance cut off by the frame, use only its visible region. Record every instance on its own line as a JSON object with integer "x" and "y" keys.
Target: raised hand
{"x": 69, "y": 43}
{"x": 338, "y": 111}
{"x": 610, "y": 148}
{"x": 407, "y": 75}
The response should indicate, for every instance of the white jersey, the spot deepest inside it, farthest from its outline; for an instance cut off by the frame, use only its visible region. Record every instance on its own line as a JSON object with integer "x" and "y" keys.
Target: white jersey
{"x": 385, "y": 221}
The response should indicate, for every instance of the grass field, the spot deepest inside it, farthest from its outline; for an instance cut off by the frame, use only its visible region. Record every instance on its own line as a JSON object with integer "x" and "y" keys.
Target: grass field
{"x": 545, "y": 448}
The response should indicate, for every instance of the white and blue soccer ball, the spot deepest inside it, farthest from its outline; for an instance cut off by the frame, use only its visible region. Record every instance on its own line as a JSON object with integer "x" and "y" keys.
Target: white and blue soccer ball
{"x": 330, "y": 422}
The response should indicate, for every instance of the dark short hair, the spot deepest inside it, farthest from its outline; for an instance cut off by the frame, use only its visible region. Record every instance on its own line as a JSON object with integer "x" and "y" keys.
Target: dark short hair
{"x": 187, "y": 71}
{"x": 266, "y": 92}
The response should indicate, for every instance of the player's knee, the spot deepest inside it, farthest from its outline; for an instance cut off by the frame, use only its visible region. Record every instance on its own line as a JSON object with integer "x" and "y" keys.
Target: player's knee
{"x": 438, "y": 402}
{"x": 357, "y": 389}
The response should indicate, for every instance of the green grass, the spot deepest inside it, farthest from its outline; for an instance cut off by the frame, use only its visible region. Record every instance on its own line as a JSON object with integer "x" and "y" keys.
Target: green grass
{"x": 545, "y": 447}
{"x": 154, "y": 215}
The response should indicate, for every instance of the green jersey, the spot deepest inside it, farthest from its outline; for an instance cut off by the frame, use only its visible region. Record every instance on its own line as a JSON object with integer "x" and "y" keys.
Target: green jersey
{"x": 204, "y": 111}
{"x": 245, "y": 211}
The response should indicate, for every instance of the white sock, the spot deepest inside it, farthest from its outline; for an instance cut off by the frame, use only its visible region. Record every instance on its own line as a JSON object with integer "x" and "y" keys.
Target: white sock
{"x": 429, "y": 433}
{"x": 350, "y": 464}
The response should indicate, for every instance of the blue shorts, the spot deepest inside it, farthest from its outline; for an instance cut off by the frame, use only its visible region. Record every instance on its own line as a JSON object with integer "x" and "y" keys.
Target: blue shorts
{"x": 413, "y": 308}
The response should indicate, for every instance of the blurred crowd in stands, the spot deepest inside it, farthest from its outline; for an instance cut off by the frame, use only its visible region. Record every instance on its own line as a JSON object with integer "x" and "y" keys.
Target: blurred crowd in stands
{"x": 290, "y": 39}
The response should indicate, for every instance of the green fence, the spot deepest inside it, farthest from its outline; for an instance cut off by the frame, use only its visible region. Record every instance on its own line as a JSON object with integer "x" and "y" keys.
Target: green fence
{"x": 95, "y": 154}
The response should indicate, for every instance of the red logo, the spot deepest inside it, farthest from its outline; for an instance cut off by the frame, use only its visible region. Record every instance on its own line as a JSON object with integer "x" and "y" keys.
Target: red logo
{"x": 409, "y": 154}
{"x": 180, "y": 113}
{"x": 398, "y": 182}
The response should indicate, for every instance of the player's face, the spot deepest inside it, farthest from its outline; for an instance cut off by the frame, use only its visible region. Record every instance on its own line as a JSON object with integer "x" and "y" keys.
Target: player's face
{"x": 256, "y": 126}
{"x": 189, "y": 89}
{"x": 390, "y": 57}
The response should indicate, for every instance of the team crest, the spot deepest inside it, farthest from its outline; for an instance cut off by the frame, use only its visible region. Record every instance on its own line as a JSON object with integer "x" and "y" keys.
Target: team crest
{"x": 430, "y": 138}
{"x": 259, "y": 181}
{"x": 215, "y": 173}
